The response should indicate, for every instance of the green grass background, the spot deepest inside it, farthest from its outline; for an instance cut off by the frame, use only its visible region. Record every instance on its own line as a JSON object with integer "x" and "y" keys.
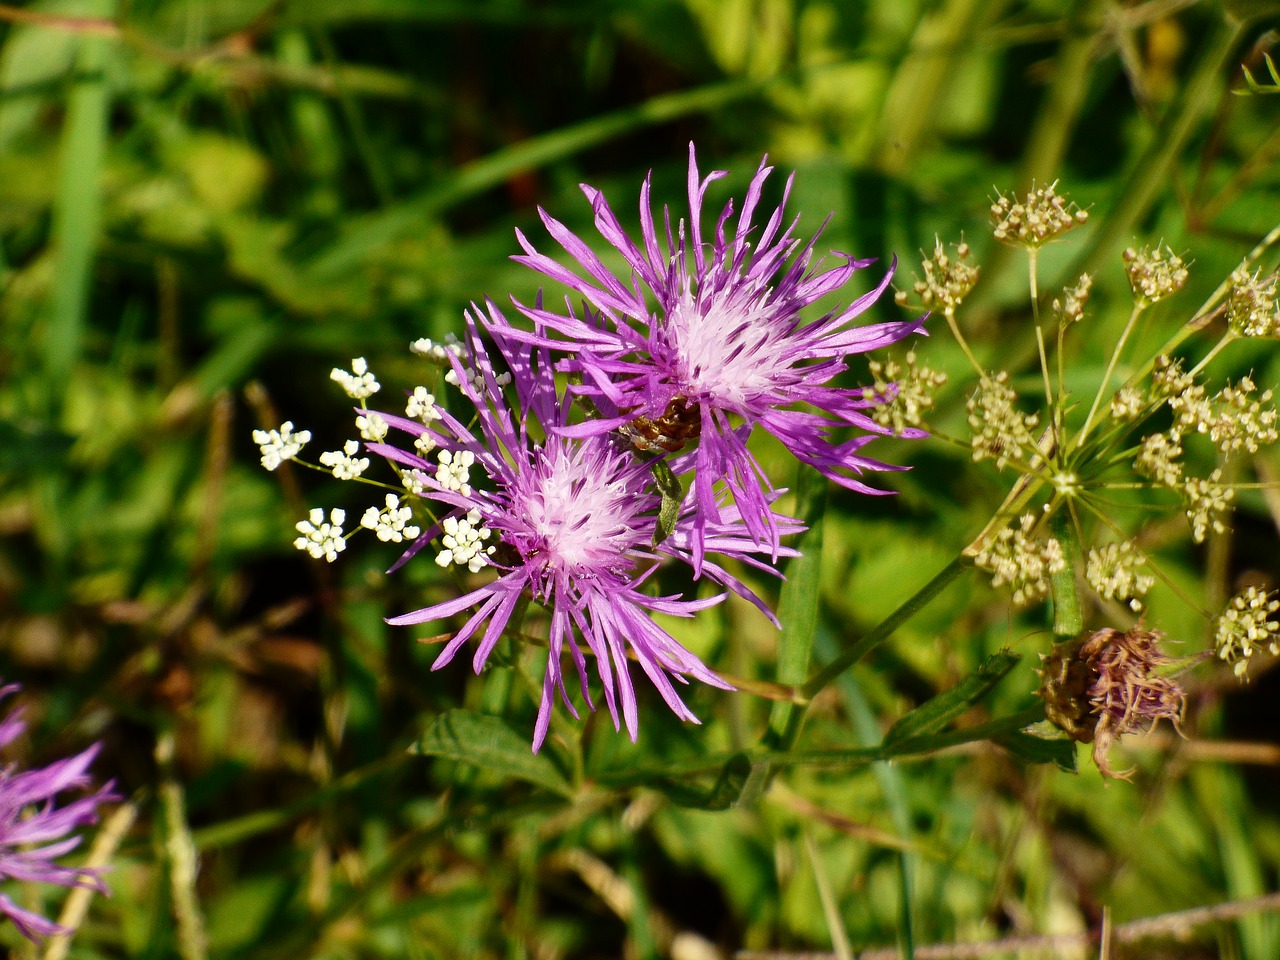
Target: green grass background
{"x": 207, "y": 204}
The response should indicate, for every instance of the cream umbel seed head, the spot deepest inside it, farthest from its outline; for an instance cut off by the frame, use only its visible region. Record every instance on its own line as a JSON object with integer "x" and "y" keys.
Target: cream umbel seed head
{"x": 1001, "y": 432}
{"x": 948, "y": 279}
{"x": 1253, "y": 308}
{"x": 1246, "y": 627}
{"x": 1114, "y": 572}
{"x": 1070, "y": 309}
{"x": 1154, "y": 273}
{"x": 904, "y": 391}
{"x": 1041, "y": 216}
{"x": 1014, "y": 557}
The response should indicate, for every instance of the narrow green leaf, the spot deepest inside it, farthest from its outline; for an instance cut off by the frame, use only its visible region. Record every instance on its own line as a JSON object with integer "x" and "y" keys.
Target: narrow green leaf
{"x": 1036, "y": 749}
{"x": 934, "y": 714}
{"x": 672, "y": 491}
{"x": 79, "y": 206}
{"x": 489, "y": 743}
{"x": 798, "y": 604}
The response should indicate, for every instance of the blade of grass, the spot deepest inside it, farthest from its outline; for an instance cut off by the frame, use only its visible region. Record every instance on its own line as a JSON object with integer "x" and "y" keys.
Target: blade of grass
{"x": 376, "y": 229}
{"x": 78, "y": 206}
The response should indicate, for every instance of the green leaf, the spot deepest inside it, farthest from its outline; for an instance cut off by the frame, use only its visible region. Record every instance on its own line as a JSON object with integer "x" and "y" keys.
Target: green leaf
{"x": 490, "y": 743}
{"x": 934, "y": 714}
{"x": 31, "y": 446}
{"x": 721, "y": 795}
{"x": 1037, "y": 749}
{"x": 672, "y": 491}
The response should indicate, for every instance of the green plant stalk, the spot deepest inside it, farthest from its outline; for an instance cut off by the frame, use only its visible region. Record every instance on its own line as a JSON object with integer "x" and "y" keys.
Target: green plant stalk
{"x": 798, "y": 605}
{"x": 1068, "y": 620}
{"x": 885, "y": 629}
{"x": 1139, "y": 307}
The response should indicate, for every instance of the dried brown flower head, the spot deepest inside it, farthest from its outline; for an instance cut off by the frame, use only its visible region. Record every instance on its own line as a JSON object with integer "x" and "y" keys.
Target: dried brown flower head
{"x": 1109, "y": 685}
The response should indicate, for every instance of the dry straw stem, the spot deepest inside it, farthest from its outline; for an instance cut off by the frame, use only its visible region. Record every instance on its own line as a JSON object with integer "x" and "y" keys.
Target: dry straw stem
{"x": 1177, "y": 925}
{"x": 77, "y": 905}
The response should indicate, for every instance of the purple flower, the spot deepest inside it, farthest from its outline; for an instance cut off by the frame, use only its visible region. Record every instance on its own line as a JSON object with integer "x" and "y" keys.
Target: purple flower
{"x": 566, "y": 520}
{"x": 705, "y": 338}
{"x": 33, "y": 833}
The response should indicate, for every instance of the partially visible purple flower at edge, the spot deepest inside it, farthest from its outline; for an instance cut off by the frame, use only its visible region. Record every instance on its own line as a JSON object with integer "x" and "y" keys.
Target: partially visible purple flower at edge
{"x": 33, "y": 833}
{"x": 572, "y": 520}
{"x": 716, "y": 324}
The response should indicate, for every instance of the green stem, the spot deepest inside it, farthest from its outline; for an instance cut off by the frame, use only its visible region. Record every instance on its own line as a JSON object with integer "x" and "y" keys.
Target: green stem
{"x": 885, "y": 629}
{"x": 1068, "y": 621}
{"x": 1134, "y": 314}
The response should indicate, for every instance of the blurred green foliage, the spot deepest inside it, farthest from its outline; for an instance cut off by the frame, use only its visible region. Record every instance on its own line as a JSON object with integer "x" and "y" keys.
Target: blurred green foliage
{"x": 207, "y": 204}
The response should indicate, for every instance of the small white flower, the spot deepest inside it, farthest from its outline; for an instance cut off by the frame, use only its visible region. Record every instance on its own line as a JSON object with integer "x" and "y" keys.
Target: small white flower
{"x": 424, "y": 444}
{"x": 358, "y": 385}
{"x": 344, "y": 463}
{"x": 280, "y": 445}
{"x": 454, "y": 471}
{"x": 422, "y": 405}
{"x": 464, "y": 542}
{"x": 391, "y": 524}
{"x": 321, "y": 539}
{"x": 415, "y": 481}
{"x": 372, "y": 426}
{"x": 437, "y": 352}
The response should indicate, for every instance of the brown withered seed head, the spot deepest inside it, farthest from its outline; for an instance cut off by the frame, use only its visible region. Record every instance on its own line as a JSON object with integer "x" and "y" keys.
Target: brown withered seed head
{"x": 1109, "y": 685}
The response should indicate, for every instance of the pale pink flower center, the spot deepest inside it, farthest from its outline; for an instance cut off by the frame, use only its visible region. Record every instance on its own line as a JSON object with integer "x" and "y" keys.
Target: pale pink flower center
{"x": 581, "y": 517}
{"x": 727, "y": 352}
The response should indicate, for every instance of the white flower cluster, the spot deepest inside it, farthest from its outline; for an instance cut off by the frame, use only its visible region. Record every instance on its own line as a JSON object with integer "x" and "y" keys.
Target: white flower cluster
{"x": 358, "y": 385}
{"x": 372, "y": 426}
{"x": 437, "y": 352}
{"x": 280, "y": 445}
{"x": 1207, "y": 502}
{"x": 344, "y": 463}
{"x": 422, "y": 406}
{"x": 476, "y": 379}
{"x": 464, "y": 542}
{"x": 1246, "y": 627}
{"x": 320, "y": 538}
{"x": 391, "y": 523}
{"x": 454, "y": 472}
{"x": 1012, "y": 556}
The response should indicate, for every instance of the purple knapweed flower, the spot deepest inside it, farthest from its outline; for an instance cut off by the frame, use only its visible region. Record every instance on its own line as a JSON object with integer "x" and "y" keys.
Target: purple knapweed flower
{"x": 33, "y": 833}
{"x": 568, "y": 521}
{"x": 706, "y": 339}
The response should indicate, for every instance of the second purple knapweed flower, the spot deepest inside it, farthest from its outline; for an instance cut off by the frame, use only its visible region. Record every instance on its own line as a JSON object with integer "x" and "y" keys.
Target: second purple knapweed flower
{"x": 565, "y": 520}
{"x": 33, "y": 833}
{"x": 705, "y": 341}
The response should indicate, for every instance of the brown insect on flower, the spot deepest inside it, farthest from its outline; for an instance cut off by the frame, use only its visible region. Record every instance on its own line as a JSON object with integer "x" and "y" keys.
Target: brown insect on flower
{"x": 680, "y": 423}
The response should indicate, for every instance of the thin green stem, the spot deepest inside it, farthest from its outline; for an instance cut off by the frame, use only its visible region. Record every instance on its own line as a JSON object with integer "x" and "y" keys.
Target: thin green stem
{"x": 1137, "y": 311}
{"x": 885, "y": 629}
{"x": 964, "y": 344}
{"x": 1217, "y": 348}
